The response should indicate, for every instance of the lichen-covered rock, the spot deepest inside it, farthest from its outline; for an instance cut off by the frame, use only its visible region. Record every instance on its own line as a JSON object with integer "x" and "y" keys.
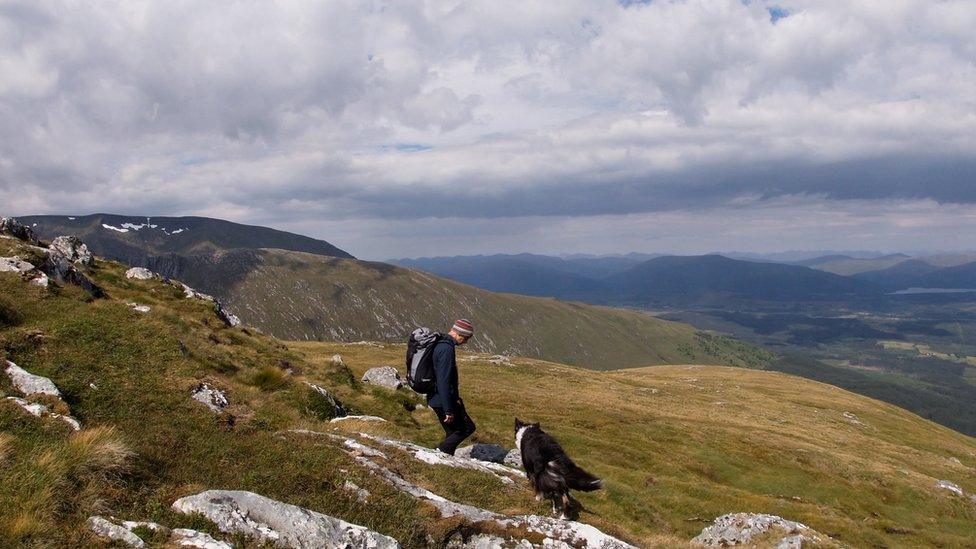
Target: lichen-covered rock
{"x": 185, "y": 537}
{"x": 283, "y": 524}
{"x": 74, "y": 249}
{"x": 338, "y": 409}
{"x": 11, "y": 227}
{"x": 30, "y": 384}
{"x": 494, "y": 453}
{"x": 108, "y": 529}
{"x": 741, "y": 528}
{"x": 215, "y": 399}
{"x": 140, "y": 273}
{"x": 139, "y": 308}
{"x": 384, "y": 376}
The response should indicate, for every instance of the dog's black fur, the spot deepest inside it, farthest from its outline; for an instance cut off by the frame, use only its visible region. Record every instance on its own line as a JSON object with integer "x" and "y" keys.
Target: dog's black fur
{"x": 552, "y": 474}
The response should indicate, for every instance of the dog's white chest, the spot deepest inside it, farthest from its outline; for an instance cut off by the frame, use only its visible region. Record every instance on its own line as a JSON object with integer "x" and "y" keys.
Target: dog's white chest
{"x": 518, "y": 438}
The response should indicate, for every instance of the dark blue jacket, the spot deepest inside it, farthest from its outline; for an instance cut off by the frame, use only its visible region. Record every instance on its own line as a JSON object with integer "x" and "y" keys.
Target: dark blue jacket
{"x": 446, "y": 375}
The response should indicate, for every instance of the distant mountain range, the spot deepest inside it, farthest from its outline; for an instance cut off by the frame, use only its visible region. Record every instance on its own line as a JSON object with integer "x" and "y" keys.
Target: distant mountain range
{"x": 656, "y": 281}
{"x": 707, "y": 280}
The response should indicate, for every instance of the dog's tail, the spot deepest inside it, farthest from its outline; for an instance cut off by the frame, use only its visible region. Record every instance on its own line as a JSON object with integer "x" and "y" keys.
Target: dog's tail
{"x": 575, "y": 476}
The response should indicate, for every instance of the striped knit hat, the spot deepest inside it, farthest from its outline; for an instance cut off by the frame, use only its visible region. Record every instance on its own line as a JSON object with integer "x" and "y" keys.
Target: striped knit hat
{"x": 463, "y": 327}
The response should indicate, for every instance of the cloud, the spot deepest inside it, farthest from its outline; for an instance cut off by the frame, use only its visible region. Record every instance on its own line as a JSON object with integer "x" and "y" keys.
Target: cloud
{"x": 385, "y": 114}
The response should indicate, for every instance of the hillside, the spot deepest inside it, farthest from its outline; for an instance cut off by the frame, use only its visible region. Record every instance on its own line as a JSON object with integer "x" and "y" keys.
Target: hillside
{"x": 900, "y": 275}
{"x": 316, "y": 295}
{"x": 959, "y": 276}
{"x": 132, "y": 239}
{"x": 676, "y": 445}
{"x": 307, "y": 297}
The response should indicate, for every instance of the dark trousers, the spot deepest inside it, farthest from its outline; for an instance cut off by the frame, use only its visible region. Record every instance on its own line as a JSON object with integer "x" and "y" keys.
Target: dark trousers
{"x": 454, "y": 432}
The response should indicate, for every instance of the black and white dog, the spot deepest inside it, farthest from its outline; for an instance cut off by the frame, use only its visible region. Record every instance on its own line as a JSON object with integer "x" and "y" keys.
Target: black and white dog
{"x": 551, "y": 473}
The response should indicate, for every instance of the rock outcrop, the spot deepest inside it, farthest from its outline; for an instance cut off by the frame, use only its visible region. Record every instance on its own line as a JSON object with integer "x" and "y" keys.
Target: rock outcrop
{"x": 741, "y": 528}
{"x": 62, "y": 270}
{"x": 26, "y": 269}
{"x": 215, "y": 399}
{"x": 30, "y": 384}
{"x": 338, "y": 409}
{"x": 73, "y": 249}
{"x": 283, "y": 524}
{"x": 141, "y": 273}
{"x": 383, "y": 376}
{"x": 115, "y": 532}
{"x": 11, "y": 227}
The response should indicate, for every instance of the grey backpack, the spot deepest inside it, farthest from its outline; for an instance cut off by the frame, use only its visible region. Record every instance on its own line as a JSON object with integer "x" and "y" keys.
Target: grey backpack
{"x": 420, "y": 360}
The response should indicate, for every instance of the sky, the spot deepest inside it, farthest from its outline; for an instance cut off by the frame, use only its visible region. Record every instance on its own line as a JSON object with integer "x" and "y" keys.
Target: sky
{"x": 404, "y": 129}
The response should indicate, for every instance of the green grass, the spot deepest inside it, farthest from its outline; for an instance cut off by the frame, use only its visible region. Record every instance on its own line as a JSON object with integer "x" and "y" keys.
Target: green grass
{"x": 677, "y": 445}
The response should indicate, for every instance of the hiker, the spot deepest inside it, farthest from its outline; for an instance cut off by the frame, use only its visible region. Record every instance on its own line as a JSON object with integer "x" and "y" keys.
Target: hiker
{"x": 446, "y": 400}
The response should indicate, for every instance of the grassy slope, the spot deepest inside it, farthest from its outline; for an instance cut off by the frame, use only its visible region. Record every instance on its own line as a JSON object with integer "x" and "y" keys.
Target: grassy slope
{"x": 672, "y": 458}
{"x": 303, "y": 296}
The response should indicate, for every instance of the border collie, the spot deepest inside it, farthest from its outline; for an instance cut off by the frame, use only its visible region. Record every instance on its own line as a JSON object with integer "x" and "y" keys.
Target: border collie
{"x": 551, "y": 473}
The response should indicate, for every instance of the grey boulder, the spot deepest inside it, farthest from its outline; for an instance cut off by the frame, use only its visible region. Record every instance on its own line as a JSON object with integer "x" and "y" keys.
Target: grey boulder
{"x": 74, "y": 249}
{"x": 484, "y": 452}
{"x": 282, "y": 524}
{"x": 384, "y": 376}
{"x": 140, "y": 273}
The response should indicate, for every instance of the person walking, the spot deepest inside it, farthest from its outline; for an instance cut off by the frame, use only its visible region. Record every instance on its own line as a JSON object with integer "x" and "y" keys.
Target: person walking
{"x": 446, "y": 400}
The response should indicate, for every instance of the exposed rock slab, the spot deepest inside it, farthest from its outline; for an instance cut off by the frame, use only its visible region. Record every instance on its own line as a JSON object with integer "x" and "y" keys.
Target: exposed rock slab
{"x": 39, "y": 410}
{"x": 139, "y": 308}
{"x": 235, "y": 511}
{"x": 741, "y": 528}
{"x": 108, "y": 529}
{"x": 436, "y": 457}
{"x": 383, "y": 376}
{"x": 950, "y": 486}
{"x": 360, "y": 418}
{"x": 559, "y": 533}
{"x": 30, "y": 384}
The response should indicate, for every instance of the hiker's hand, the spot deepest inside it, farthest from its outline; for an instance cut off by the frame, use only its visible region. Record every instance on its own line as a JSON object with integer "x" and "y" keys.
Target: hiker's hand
{"x": 449, "y": 418}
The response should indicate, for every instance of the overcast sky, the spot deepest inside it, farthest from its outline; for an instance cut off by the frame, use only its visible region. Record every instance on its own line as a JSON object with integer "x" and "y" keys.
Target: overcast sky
{"x": 402, "y": 128}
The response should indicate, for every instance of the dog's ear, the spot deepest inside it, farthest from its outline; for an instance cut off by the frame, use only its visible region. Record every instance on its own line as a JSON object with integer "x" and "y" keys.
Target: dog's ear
{"x": 518, "y": 424}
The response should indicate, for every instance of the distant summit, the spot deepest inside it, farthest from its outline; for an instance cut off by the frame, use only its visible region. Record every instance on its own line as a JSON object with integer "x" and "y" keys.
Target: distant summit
{"x": 133, "y": 239}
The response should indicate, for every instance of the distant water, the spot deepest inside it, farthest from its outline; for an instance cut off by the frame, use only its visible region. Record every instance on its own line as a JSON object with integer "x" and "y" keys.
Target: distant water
{"x": 911, "y": 291}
